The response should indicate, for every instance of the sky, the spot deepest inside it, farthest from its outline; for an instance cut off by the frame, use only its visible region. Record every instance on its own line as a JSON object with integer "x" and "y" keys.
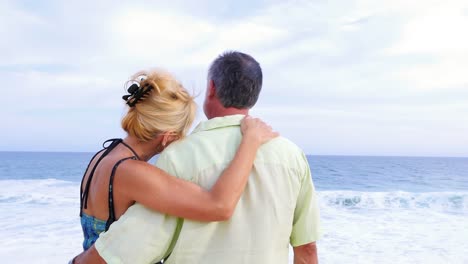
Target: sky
{"x": 354, "y": 77}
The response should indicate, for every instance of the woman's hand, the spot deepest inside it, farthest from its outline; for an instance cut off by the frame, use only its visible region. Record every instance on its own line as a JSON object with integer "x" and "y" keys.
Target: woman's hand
{"x": 257, "y": 131}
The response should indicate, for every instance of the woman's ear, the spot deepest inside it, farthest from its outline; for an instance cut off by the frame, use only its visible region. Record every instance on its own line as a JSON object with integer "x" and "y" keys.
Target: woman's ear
{"x": 165, "y": 139}
{"x": 168, "y": 138}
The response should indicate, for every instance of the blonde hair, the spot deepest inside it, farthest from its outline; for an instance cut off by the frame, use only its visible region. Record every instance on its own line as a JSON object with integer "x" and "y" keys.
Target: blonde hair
{"x": 168, "y": 107}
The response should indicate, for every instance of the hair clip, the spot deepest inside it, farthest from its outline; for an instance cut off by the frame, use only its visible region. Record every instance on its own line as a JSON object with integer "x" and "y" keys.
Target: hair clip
{"x": 136, "y": 94}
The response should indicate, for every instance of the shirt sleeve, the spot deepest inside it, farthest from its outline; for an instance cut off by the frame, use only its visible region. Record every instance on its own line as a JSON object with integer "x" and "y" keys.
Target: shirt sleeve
{"x": 306, "y": 223}
{"x": 140, "y": 235}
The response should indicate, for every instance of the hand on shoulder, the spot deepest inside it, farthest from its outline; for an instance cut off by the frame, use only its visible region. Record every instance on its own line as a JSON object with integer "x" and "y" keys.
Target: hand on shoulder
{"x": 256, "y": 130}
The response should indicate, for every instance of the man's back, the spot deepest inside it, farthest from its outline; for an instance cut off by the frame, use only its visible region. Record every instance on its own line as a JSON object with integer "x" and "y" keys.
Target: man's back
{"x": 277, "y": 208}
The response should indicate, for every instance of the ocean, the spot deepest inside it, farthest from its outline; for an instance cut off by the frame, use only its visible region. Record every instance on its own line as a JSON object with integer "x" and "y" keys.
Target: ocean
{"x": 373, "y": 209}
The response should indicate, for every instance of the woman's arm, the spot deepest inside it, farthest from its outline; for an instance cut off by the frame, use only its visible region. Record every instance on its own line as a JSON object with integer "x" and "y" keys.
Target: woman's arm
{"x": 162, "y": 192}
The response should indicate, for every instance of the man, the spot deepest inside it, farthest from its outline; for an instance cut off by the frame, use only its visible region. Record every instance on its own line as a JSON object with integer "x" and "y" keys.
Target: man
{"x": 278, "y": 208}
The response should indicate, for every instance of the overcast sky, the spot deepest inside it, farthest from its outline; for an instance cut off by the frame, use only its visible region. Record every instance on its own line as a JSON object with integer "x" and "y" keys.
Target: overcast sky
{"x": 348, "y": 77}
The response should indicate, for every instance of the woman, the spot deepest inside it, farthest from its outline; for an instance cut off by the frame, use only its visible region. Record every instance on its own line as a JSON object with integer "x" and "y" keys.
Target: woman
{"x": 160, "y": 112}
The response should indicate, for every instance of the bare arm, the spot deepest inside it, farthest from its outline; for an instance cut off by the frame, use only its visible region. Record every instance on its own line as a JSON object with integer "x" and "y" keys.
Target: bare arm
{"x": 162, "y": 192}
{"x": 90, "y": 256}
{"x": 306, "y": 254}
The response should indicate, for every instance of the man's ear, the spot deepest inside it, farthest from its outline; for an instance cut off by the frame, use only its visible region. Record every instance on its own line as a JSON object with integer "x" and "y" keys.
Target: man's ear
{"x": 211, "y": 89}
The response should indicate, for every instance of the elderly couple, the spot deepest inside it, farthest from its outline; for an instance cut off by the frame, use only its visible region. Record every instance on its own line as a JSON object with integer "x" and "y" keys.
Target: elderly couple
{"x": 231, "y": 192}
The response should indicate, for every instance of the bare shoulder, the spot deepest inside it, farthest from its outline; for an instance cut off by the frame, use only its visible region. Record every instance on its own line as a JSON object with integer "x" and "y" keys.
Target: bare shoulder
{"x": 136, "y": 168}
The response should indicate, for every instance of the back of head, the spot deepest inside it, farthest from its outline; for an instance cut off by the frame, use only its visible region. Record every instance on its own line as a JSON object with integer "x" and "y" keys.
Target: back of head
{"x": 237, "y": 78}
{"x": 167, "y": 107}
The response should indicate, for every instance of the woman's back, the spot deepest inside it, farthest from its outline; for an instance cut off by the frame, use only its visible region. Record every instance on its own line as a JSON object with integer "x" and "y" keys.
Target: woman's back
{"x": 160, "y": 111}
{"x": 101, "y": 202}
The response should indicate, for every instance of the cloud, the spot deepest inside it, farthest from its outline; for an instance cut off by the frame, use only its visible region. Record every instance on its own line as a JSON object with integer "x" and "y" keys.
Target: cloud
{"x": 366, "y": 130}
{"x": 339, "y": 76}
{"x": 436, "y": 31}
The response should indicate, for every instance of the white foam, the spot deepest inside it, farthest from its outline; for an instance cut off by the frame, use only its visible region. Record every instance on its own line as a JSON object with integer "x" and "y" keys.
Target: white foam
{"x": 39, "y": 223}
{"x": 448, "y": 202}
{"x": 39, "y": 220}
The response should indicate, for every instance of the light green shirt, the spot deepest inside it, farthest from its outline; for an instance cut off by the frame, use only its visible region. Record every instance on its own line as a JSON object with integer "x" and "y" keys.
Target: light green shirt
{"x": 278, "y": 207}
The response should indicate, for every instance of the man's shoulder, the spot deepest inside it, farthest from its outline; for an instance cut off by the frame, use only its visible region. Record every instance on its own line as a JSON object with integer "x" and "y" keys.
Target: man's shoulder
{"x": 279, "y": 145}
{"x": 205, "y": 139}
{"x": 183, "y": 157}
{"x": 282, "y": 145}
{"x": 183, "y": 145}
{"x": 285, "y": 144}
{"x": 281, "y": 150}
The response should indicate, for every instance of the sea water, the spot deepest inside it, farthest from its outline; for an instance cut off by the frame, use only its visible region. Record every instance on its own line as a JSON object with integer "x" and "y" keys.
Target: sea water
{"x": 373, "y": 209}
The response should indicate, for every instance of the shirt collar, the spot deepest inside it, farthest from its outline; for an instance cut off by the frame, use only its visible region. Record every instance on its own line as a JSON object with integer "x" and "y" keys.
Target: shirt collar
{"x": 219, "y": 122}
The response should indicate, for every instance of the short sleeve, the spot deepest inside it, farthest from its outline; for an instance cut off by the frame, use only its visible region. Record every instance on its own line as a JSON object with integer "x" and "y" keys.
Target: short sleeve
{"x": 140, "y": 235}
{"x": 306, "y": 223}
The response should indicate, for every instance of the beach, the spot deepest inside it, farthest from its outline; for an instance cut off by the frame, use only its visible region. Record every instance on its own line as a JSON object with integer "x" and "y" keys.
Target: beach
{"x": 373, "y": 209}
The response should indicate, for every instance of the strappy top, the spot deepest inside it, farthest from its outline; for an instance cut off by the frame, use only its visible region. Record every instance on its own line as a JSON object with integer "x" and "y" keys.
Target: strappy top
{"x": 92, "y": 226}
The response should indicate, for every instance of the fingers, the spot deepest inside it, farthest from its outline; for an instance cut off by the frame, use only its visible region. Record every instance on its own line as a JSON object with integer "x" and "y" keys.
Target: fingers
{"x": 263, "y": 131}
{"x": 250, "y": 123}
{"x": 271, "y": 135}
{"x": 257, "y": 129}
{"x": 274, "y": 134}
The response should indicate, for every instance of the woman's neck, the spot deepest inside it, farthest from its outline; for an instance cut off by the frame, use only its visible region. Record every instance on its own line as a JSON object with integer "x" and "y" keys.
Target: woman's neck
{"x": 144, "y": 150}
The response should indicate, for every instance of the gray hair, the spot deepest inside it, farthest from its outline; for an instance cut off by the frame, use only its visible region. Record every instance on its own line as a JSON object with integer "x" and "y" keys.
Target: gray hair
{"x": 237, "y": 78}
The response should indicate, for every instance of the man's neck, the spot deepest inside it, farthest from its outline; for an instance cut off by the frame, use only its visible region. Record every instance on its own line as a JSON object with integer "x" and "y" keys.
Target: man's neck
{"x": 228, "y": 111}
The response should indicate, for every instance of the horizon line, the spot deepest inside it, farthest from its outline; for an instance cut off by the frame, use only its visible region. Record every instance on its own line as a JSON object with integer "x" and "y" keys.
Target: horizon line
{"x": 323, "y": 155}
